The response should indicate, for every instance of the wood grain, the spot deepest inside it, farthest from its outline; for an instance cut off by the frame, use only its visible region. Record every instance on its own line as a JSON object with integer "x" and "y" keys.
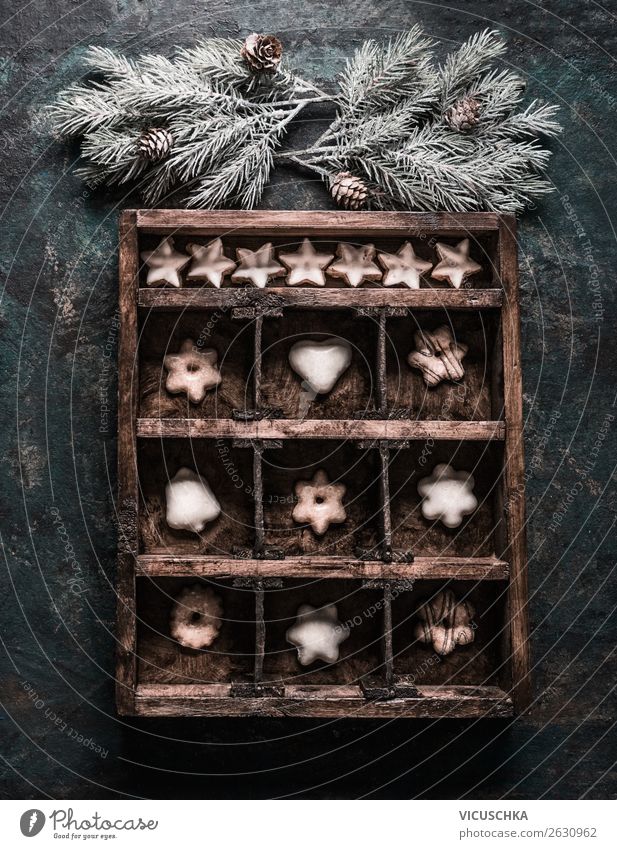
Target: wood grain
{"x": 327, "y": 702}
{"x": 514, "y": 467}
{"x": 302, "y": 223}
{"x": 128, "y": 494}
{"x": 429, "y": 568}
{"x": 394, "y": 429}
{"x": 312, "y": 299}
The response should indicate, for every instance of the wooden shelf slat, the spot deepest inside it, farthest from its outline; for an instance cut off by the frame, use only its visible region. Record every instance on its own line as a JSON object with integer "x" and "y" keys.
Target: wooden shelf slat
{"x": 305, "y": 223}
{"x": 321, "y": 429}
{"x": 314, "y": 299}
{"x": 315, "y": 566}
{"x": 321, "y": 701}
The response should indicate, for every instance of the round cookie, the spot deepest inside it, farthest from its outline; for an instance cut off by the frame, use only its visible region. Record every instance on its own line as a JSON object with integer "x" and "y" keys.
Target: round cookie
{"x": 196, "y": 617}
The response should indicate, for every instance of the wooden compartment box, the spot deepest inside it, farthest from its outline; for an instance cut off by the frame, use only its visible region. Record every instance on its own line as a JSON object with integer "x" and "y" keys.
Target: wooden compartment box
{"x": 379, "y": 431}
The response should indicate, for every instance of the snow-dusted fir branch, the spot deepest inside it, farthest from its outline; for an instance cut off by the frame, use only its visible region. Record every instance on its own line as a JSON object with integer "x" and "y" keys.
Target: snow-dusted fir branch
{"x": 408, "y": 132}
{"x": 459, "y": 145}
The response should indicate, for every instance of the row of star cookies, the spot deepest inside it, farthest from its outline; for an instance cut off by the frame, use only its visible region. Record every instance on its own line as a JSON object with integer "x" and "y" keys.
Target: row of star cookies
{"x": 307, "y": 266}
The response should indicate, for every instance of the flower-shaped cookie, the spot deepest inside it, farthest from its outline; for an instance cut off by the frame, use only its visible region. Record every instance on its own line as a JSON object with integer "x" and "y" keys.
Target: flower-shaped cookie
{"x": 306, "y": 265}
{"x": 191, "y": 504}
{"x": 317, "y": 634}
{"x": 320, "y": 503}
{"x": 164, "y": 264}
{"x": 456, "y": 265}
{"x": 209, "y": 265}
{"x": 355, "y": 265}
{"x": 192, "y": 370}
{"x": 403, "y": 268}
{"x": 445, "y": 623}
{"x": 257, "y": 267}
{"x": 437, "y": 355}
{"x": 447, "y": 495}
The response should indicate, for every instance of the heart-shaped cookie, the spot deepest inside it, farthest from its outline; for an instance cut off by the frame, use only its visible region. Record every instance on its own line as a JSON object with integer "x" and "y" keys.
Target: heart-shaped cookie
{"x": 320, "y": 364}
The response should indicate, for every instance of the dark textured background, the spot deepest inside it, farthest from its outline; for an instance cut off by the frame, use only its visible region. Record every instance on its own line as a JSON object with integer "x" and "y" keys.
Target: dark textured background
{"x": 58, "y": 260}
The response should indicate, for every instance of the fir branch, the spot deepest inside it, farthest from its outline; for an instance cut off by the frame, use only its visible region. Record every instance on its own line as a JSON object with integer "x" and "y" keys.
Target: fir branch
{"x": 536, "y": 120}
{"x": 242, "y": 179}
{"x": 377, "y": 77}
{"x": 114, "y": 65}
{"x": 219, "y": 62}
{"x": 471, "y": 60}
{"x": 226, "y": 121}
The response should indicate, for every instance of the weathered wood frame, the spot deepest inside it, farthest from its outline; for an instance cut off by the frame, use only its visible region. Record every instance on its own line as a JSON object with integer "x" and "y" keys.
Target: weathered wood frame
{"x": 389, "y": 696}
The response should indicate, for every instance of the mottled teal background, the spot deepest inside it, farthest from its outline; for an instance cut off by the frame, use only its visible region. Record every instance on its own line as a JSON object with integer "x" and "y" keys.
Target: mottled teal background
{"x": 58, "y": 261}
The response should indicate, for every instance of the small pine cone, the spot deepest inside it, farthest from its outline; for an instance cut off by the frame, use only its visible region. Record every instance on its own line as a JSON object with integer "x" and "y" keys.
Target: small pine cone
{"x": 262, "y": 53}
{"x": 348, "y": 191}
{"x": 464, "y": 115}
{"x": 155, "y": 144}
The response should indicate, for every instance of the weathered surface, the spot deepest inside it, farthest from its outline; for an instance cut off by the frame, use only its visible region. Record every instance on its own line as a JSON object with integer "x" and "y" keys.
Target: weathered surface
{"x": 58, "y": 260}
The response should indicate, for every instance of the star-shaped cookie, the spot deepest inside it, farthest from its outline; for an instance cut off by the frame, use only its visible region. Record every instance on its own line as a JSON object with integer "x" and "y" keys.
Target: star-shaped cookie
{"x": 317, "y": 634}
{"x": 447, "y": 495}
{"x": 164, "y": 264}
{"x": 306, "y": 265}
{"x": 456, "y": 265}
{"x": 403, "y": 267}
{"x": 320, "y": 503}
{"x": 355, "y": 265}
{"x": 438, "y": 356}
{"x": 257, "y": 267}
{"x": 192, "y": 370}
{"x": 209, "y": 264}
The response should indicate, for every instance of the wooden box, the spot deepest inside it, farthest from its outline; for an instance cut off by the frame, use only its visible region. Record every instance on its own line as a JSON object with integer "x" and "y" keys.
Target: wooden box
{"x": 376, "y": 429}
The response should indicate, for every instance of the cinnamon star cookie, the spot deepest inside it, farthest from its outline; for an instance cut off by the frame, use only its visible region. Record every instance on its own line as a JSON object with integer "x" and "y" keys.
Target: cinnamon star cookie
{"x": 257, "y": 267}
{"x": 306, "y": 265}
{"x": 355, "y": 265}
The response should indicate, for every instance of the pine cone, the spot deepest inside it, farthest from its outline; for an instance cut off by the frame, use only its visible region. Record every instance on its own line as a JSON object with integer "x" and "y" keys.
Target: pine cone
{"x": 464, "y": 115}
{"x": 262, "y": 53}
{"x": 155, "y": 144}
{"x": 348, "y": 191}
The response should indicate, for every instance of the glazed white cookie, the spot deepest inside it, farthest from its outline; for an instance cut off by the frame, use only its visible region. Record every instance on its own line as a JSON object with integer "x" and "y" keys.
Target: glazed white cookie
{"x": 196, "y": 617}
{"x": 306, "y": 265}
{"x": 192, "y": 371}
{"x": 320, "y": 503}
{"x": 320, "y": 364}
{"x": 355, "y": 264}
{"x": 317, "y": 634}
{"x": 164, "y": 264}
{"x": 447, "y": 495}
{"x": 209, "y": 265}
{"x": 191, "y": 504}
{"x": 257, "y": 267}
{"x": 456, "y": 265}
{"x": 403, "y": 268}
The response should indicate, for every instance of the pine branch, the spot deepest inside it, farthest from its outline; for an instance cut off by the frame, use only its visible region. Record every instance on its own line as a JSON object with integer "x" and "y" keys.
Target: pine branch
{"x": 241, "y": 180}
{"x": 380, "y": 76}
{"x": 114, "y": 65}
{"x": 461, "y": 68}
{"x": 536, "y": 120}
{"x": 392, "y": 131}
{"x": 218, "y": 62}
